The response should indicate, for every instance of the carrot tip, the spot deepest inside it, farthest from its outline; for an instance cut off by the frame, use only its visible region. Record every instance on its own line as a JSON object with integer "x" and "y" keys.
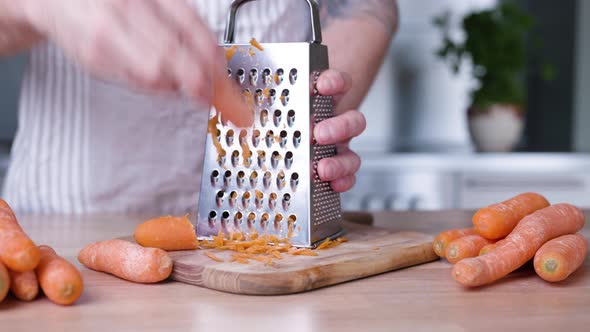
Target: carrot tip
{"x": 550, "y": 265}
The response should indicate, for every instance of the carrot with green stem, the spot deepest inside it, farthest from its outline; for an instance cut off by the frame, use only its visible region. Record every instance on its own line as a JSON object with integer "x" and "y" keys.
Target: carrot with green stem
{"x": 17, "y": 251}
{"x": 442, "y": 240}
{"x": 466, "y": 246}
{"x": 498, "y": 220}
{"x": 520, "y": 245}
{"x": 559, "y": 258}
{"x": 60, "y": 281}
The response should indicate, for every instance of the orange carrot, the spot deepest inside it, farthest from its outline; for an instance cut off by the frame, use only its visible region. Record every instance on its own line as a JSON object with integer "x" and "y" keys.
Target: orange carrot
{"x": 60, "y": 281}
{"x": 127, "y": 260}
{"x": 17, "y": 251}
{"x": 490, "y": 247}
{"x": 167, "y": 233}
{"x": 520, "y": 245}
{"x": 466, "y": 246}
{"x": 213, "y": 257}
{"x": 498, "y": 220}
{"x": 560, "y": 257}
{"x": 256, "y": 44}
{"x": 24, "y": 285}
{"x": 4, "y": 282}
{"x": 442, "y": 240}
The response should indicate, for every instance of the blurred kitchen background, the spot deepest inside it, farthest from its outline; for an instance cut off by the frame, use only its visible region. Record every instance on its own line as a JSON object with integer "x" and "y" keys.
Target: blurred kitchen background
{"x": 417, "y": 151}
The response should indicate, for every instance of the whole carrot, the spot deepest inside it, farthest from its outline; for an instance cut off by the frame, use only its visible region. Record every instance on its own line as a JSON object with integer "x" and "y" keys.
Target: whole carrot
{"x": 24, "y": 285}
{"x": 127, "y": 260}
{"x": 60, "y": 281}
{"x": 167, "y": 233}
{"x": 442, "y": 240}
{"x": 490, "y": 247}
{"x": 466, "y": 246}
{"x": 560, "y": 257}
{"x": 498, "y": 220}
{"x": 4, "y": 282}
{"x": 17, "y": 251}
{"x": 520, "y": 245}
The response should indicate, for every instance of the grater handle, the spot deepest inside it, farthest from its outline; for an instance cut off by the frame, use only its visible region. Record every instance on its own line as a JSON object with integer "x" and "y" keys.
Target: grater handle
{"x": 314, "y": 10}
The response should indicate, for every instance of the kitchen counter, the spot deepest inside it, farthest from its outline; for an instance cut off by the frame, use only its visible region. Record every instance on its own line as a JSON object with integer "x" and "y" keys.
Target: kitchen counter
{"x": 420, "y": 298}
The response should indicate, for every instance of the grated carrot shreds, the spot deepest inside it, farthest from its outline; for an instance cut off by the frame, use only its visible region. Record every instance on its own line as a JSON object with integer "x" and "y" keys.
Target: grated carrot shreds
{"x": 218, "y": 240}
{"x": 325, "y": 244}
{"x": 256, "y": 44}
{"x": 230, "y": 52}
{"x": 261, "y": 248}
{"x": 213, "y": 257}
{"x": 303, "y": 252}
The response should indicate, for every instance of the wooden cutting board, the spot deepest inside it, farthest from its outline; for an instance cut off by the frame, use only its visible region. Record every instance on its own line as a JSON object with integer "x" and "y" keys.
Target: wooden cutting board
{"x": 370, "y": 251}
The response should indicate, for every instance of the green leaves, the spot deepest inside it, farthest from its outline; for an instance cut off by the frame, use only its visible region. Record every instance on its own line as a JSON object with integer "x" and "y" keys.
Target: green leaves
{"x": 495, "y": 42}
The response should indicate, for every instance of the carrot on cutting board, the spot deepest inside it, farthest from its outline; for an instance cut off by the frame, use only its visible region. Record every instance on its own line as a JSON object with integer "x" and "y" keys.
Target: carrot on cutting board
{"x": 167, "y": 233}
{"x": 4, "y": 282}
{"x": 520, "y": 245}
{"x": 560, "y": 257}
{"x": 17, "y": 251}
{"x": 24, "y": 285}
{"x": 127, "y": 260}
{"x": 60, "y": 281}
{"x": 498, "y": 220}
{"x": 466, "y": 246}
{"x": 442, "y": 240}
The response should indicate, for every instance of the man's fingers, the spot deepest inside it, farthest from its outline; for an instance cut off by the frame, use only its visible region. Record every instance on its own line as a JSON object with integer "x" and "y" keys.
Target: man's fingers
{"x": 339, "y": 166}
{"x": 340, "y": 128}
{"x": 333, "y": 83}
{"x": 343, "y": 184}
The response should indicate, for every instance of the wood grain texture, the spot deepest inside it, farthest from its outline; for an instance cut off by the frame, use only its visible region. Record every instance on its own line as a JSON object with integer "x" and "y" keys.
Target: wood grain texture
{"x": 370, "y": 251}
{"x": 420, "y": 298}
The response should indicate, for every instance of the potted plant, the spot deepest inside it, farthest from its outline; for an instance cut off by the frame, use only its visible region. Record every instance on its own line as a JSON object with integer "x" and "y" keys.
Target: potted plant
{"x": 495, "y": 47}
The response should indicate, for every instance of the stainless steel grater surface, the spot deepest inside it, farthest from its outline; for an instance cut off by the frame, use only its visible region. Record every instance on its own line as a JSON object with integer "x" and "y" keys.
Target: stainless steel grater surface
{"x": 264, "y": 178}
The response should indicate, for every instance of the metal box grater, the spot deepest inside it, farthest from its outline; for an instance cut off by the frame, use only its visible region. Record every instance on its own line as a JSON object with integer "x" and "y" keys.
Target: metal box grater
{"x": 264, "y": 178}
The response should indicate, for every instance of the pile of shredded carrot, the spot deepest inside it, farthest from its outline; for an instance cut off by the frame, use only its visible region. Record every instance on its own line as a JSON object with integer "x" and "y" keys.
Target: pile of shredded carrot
{"x": 265, "y": 248}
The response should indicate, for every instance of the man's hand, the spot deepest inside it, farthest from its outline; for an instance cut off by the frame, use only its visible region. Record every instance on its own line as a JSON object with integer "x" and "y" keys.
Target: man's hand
{"x": 160, "y": 45}
{"x": 339, "y": 130}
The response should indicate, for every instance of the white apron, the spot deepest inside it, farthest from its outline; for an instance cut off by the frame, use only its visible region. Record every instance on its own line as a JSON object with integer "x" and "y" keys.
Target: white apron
{"x": 86, "y": 146}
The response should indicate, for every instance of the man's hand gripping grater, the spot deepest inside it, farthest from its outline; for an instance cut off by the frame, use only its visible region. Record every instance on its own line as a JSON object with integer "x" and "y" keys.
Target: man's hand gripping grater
{"x": 264, "y": 178}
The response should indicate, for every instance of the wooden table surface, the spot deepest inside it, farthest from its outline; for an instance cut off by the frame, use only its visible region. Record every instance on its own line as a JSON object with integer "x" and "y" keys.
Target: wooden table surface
{"x": 421, "y": 298}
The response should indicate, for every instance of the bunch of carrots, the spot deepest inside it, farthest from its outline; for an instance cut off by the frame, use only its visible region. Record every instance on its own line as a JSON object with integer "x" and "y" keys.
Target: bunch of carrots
{"x": 507, "y": 235}
{"x": 26, "y": 267}
{"x": 148, "y": 260}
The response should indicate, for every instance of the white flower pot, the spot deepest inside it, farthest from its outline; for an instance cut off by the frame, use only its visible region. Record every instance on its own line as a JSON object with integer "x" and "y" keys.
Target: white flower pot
{"x": 497, "y": 128}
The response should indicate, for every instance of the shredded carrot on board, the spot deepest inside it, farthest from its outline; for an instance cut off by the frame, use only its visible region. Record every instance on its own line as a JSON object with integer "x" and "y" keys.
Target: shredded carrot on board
{"x": 261, "y": 248}
{"x": 213, "y": 257}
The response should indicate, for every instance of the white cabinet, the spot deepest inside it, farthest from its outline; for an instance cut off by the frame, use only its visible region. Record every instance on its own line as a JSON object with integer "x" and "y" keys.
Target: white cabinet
{"x": 479, "y": 189}
{"x": 467, "y": 181}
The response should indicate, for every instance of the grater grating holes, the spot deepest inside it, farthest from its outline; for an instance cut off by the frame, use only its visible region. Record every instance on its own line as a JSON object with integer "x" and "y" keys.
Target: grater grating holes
{"x": 277, "y": 118}
{"x": 293, "y": 76}
{"x": 279, "y": 76}
{"x": 263, "y": 117}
